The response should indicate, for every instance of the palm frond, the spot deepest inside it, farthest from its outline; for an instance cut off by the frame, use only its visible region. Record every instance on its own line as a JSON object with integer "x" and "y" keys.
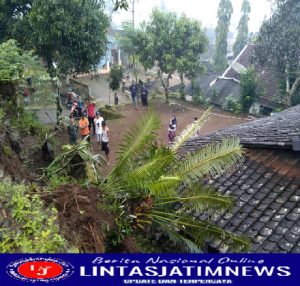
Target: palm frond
{"x": 201, "y": 202}
{"x": 200, "y": 232}
{"x": 189, "y": 131}
{"x": 64, "y": 163}
{"x": 164, "y": 187}
{"x": 205, "y": 232}
{"x": 199, "y": 198}
{"x": 213, "y": 159}
{"x": 150, "y": 170}
{"x": 142, "y": 136}
{"x": 180, "y": 241}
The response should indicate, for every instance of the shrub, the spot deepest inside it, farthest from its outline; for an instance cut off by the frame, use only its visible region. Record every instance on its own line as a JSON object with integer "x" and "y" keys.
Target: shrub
{"x": 248, "y": 89}
{"x": 109, "y": 113}
{"x": 30, "y": 125}
{"x": 232, "y": 104}
{"x": 7, "y": 151}
{"x": 29, "y": 227}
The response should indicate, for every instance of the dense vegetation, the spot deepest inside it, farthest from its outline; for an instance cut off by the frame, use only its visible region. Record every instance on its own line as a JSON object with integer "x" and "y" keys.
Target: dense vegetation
{"x": 170, "y": 44}
{"x": 278, "y": 44}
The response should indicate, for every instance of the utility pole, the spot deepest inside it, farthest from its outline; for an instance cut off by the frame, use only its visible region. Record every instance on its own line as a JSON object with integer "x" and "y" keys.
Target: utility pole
{"x": 132, "y": 11}
{"x": 133, "y": 54}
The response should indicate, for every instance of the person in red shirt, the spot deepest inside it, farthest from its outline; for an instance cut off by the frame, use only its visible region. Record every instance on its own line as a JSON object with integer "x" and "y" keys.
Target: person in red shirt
{"x": 91, "y": 114}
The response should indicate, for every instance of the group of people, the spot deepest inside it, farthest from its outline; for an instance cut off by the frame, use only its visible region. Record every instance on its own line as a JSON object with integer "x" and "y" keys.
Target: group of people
{"x": 134, "y": 90}
{"x": 90, "y": 121}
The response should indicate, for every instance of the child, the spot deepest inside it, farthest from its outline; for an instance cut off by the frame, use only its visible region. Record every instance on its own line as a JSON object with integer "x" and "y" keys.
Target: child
{"x": 98, "y": 125}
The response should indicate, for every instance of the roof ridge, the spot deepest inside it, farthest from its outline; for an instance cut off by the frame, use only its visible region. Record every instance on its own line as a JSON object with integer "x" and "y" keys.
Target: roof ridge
{"x": 276, "y": 131}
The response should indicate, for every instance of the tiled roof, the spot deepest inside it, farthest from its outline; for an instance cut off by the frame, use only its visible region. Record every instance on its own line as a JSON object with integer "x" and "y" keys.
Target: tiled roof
{"x": 244, "y": 59}
{"x": 266, "y": 79}
{"x": 266, "y": 188}
{"x": 266, "y": 191}
{"x": 277, "y": 130}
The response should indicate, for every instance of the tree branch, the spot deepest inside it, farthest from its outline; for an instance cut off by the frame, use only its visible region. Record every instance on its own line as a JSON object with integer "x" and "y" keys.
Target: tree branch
{"x": 295, "y": 86}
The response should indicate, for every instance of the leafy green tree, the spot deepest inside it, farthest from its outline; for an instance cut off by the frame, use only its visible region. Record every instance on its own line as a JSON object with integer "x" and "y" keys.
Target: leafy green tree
{"x": 278, "y": 44}
{"x": 127, "y": 42}
{"x": 192, "y": 42}
{"x": 127, "y": 38}
{"x": 16, "y": 66}
{"x": 156, "y": 45}
{"x": 70, "y": 33}
{"x": 115, "y": 78}
{"x": 242, "y": 36}
{"x": 120, "y": 4}
{"x": 248, "y": 89}
{"x": 11, "y": 13}
{"x": 225, "y": 11}
{"x": 171, "y": 44}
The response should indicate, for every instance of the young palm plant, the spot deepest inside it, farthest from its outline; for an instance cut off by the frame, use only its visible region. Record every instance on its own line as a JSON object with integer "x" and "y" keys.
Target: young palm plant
{"x": 159, "y": 190}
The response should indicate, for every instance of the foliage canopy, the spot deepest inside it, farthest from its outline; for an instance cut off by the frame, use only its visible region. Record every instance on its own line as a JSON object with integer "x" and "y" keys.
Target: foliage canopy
{"x": 225, "y": 11}
{"x": 278, "y": 44}
{"x": 242, "y": 36}
{"x": 171, "y": 44}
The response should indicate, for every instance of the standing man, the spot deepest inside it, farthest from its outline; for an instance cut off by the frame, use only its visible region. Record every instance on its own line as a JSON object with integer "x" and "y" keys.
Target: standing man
{"x": 84, "y": 126}
{"x": 79, "y": 105}
{"x": 144, "y": 96}
{"x": 72, "y": 130}
{"x": 91, "y": 114}
{"x": 105, "y": 140}
{"x": 134, "y": 92}
{"x": 98, "y": 123}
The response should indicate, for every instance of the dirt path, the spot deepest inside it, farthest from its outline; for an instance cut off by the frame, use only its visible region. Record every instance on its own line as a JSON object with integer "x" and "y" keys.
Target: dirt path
{"x": 185, "y": 112}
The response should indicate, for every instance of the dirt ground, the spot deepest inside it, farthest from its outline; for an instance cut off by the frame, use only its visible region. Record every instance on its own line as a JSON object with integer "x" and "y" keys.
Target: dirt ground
{"x": 184, "y": 112}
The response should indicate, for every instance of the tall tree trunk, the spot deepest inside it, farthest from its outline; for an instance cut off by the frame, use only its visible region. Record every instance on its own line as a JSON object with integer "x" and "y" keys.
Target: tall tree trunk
{"x": 287, "y": 86}
{"x": 182, "y": 86}
{"x": 293, "y": 90}
{"x": 165, "y": 84}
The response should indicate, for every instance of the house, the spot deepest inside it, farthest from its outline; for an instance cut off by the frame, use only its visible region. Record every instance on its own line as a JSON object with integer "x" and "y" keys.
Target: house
{"x": 228, "y": 84}
{"x": 266, "y": 188}
{"x": 113, "y": 54}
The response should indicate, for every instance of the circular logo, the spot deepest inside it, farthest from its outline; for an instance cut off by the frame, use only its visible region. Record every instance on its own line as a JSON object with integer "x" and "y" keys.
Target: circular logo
{"x": 40, "y": 269}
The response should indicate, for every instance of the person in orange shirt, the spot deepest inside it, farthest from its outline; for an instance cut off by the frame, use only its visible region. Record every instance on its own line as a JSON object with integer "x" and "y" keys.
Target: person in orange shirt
{"x": 84, "y": 126}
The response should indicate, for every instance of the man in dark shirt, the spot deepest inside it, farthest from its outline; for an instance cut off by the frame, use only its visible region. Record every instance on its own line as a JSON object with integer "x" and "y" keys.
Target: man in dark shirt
{"x": 134, "y": 92}
{"x": 144, "y": 96}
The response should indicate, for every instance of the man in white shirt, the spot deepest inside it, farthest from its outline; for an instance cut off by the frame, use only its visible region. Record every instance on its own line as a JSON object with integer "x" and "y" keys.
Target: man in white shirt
{"x": 98, "y": 128}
